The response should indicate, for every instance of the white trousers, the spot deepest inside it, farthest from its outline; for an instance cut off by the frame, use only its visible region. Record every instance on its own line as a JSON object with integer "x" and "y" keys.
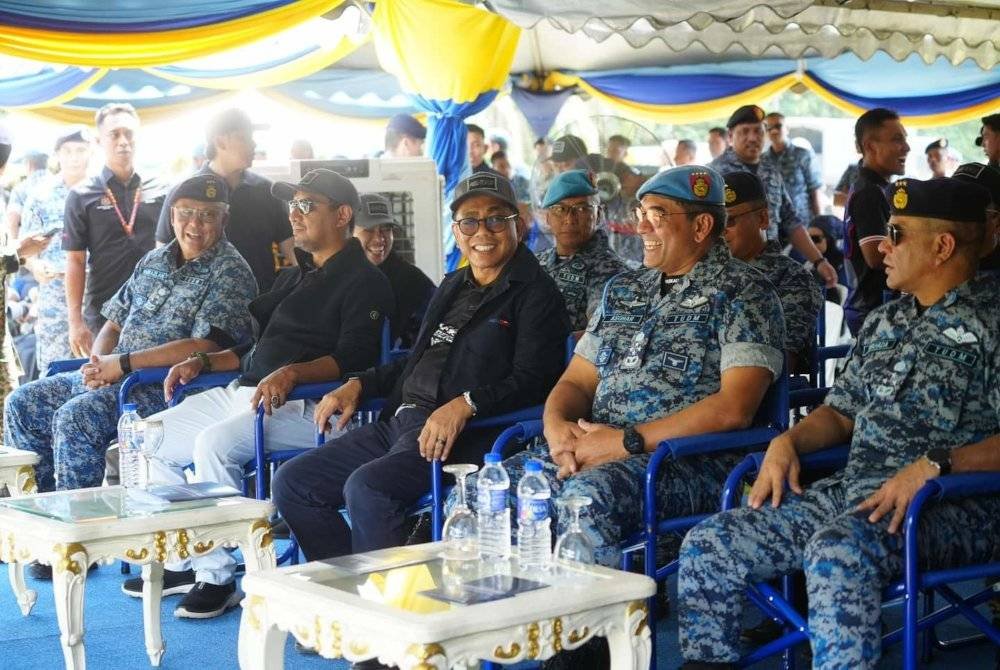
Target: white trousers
{"x": 214, "y": 431}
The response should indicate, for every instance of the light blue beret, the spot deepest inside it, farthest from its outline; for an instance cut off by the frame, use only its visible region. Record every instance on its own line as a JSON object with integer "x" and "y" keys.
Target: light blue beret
{"x": 567, "y": 185}
{"x": 689, "y": 183}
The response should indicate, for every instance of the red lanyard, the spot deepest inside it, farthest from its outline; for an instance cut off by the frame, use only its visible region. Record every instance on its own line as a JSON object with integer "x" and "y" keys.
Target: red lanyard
{"x": 127, "y": 226}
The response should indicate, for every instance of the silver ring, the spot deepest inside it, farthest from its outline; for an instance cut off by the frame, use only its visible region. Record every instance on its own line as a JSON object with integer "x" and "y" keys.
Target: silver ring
{"x": 275, "y": 400}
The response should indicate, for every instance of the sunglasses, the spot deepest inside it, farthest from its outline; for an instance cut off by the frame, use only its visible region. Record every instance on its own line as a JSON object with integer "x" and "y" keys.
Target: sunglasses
{"x": 495, "y": 224}
{"x": 209, "y": 215}
{"x": 895, "y": 233}
{"x": 305, "y": 206}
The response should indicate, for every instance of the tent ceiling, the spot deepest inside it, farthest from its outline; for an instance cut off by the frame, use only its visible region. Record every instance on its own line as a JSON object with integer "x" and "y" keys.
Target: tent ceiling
{"x": 953, "y": 29}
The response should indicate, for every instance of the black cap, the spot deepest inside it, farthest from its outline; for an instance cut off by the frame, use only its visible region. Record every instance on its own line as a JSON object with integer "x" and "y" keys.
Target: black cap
{"x": 407, "y": 125}
{"x": 746, "y": 114}
{"x": 568, "y": 148}
{"x": 229, "y": 121}
{"x": 77, "y": 134}
{"x": 743, "y": 187}
{"x": 984, "y": 175}
{"x": 201, "y": 187}
{"x": 947, "y": 199}
{"x": 993, "y": 121}
{"x": 375, "y": 211}
{"x": 940, "y": 143}
{"x": 485, "y": 183}
{"x": 321, "y": 181}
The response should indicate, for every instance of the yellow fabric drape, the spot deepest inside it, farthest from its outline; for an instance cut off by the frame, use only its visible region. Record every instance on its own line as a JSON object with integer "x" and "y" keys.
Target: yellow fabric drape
{"x": 280, "y": 74}
{"x": 442, "y": 49}
{"x": 155, "y": 48}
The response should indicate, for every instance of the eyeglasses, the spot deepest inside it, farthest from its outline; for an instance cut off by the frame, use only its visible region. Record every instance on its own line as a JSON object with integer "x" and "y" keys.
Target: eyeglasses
{"x": 305, "y": 206}
{"x": 495, "y": 224}
{"x": 655, "y": 215}
{"x": 209, "y": 215}
{"x": 584, "y": 211}
{"x": 733, "y": 218}
{"x": 774, "y": 126}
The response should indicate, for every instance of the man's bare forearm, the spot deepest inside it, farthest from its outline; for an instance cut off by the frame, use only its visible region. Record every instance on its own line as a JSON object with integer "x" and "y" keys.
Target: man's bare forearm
{"x": 75, "y": 277}
{"x": 170, "y": 353}
{"x": 567, "y": 402}
{"x": 983, "y": 456}
{"x": 821, "y": 428}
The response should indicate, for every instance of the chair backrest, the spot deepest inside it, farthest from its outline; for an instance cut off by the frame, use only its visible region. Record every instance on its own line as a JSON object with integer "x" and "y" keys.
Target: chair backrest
{"x": 773, "y": 411}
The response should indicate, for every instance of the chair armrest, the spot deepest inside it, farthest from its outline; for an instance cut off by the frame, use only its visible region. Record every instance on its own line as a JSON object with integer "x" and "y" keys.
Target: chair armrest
{"x": 708, "y": 443}
{"x": 144, "y": 376}
{"x": 312, "y": 391}
{"x": 830, "y": 458}
{"x": 807, "y": 397}
{"x": 510, "y": 418}
{"x": 965, "y": 485}
{"x": 522, "y": 430}
{"x": 832, "y": 352}
{"x": 65, "y": 365}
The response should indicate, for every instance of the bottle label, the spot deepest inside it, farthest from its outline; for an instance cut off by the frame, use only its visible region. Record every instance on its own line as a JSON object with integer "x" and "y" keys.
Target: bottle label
{"x": 498, "y": 500}
{"x": 532, "y": 509}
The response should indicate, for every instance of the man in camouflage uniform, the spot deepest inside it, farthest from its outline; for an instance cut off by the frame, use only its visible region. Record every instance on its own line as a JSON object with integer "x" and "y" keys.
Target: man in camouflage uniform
{"x": 581, "y": 263}
{"x": 919, "y": 398}
{"x": 687, "y": 345}
{"x": 796, "y": 166}
{"x": 190, "y": 295}
{"x": 746, "y": 226}
{"x": 42, "y": 216}
{"x": 746, "y": 134}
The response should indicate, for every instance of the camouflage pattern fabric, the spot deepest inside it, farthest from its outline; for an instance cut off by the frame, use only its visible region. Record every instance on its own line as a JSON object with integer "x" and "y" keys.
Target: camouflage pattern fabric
{"x": 795, "y": 164}
{"x": 781, "y": 212}
{"x": 800, "y": 296}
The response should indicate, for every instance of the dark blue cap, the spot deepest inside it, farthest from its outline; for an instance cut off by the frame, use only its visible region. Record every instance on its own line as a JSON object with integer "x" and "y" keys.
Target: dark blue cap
{"x": 407, "y": 125}
{"x": 948, "y": 199}
{"x": 203, "y": 188}
{"x": 568, "y": 184}
{"x": 688, "y": 183}
{"x": 746, "y": 114}
{"x": 485, "y": 183}
{"x": 743, "y": 187}
{"x": 984, "y": 175}
{"x": 321, "y": 181}
{"x": 77, "y": 134}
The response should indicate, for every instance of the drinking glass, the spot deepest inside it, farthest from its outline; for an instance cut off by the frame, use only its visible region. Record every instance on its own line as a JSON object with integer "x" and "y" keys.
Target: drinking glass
{"x": 461, "y": 529}
{"x": 152, "y": 438}
{"x": 573, "y": 546}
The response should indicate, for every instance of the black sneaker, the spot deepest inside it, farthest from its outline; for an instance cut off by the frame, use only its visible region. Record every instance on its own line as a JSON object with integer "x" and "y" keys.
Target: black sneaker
{"x": 174, "y": 583}
{"x": 371, "y": 664}
{"x": 594, "y": 654}
{"x": 43, "y": 572}
{"x": 206, "y": 601}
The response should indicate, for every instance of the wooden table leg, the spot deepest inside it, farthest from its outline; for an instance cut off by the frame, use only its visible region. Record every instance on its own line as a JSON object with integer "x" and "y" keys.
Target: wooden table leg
{"x": 69, "y": 579}
{"x": 152, "y": 596}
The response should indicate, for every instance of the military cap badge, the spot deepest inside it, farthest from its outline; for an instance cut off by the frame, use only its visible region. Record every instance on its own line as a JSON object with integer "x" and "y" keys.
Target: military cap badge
{"x": 900, "y": 197}
{"x": 730, "y": 195}
{"x": 701, "y": 182}
{"x": 210, "y": 191}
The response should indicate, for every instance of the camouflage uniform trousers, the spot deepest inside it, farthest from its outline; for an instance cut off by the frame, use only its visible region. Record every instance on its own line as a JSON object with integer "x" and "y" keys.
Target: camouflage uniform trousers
{"x": 52, "y": 327}
{"x": 688, "y": 486}
{"x": 69, "y": 426}
{"x": 847, "y": 561}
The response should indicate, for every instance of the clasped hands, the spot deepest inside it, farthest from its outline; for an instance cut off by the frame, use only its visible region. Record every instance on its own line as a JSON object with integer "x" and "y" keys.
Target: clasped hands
{"x": 580, "y": 445}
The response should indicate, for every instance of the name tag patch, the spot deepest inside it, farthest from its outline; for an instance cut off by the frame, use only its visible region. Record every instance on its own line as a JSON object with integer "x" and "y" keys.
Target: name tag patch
{"x": 570, "y": 277}
{"x": 678, "y": 318}
{"x": 624, "y": 317}
{"x": 674, "y": 361}
{"x": 968, "y": 358}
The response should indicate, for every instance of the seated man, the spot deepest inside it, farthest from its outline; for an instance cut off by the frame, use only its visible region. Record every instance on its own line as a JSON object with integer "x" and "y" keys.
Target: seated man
{"x": 412, "y": 289}
{"x": 320, "y": 319}
{"x": 746, "y": 236}
{"x": 918, "y": 398}
{"x": 581, "y": 263}
{"x": 687, "y": 345}
{"x": 190, "y": 295}
{"x": 493, "y": 341}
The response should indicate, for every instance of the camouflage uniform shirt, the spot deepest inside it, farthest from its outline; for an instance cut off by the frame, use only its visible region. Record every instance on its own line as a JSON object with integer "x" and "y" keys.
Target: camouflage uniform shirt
{"x": 781, "y": 213}
{"x": 796, "y": 167}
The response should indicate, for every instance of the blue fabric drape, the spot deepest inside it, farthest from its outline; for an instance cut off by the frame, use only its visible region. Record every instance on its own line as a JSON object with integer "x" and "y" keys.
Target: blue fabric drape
{"x": 37, "y": 88}
{"x": 675, "y": 89}
{"x": 358, "y": 93}
{"x": 919, "y": 105}
{"x": 540, "y": 108}
{"x": 127, "y": 16}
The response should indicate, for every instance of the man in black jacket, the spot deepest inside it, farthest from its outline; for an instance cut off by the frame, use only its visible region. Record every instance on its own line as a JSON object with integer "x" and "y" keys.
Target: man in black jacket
{"x": 492, "y": 341}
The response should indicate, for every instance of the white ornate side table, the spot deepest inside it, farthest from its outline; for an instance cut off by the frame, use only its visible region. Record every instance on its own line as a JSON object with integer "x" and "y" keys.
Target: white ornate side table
{"x": 371, "y": 605}
{"x": 17, "y": 471}
{"x": 73, "y": 529}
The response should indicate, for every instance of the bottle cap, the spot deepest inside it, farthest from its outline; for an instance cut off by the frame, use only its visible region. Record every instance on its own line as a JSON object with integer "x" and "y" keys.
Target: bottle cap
{"x": 533, "y": 466}
{"x": 130, "y": 407}
{"x": 492, "y": 458}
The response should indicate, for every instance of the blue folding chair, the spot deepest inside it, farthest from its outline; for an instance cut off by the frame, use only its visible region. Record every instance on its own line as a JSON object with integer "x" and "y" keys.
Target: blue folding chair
{"x": 65, "y": 365}
{"x": 914, "y": 581}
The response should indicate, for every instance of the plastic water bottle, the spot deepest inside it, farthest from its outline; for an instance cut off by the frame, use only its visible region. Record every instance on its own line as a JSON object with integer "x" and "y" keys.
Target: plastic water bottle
{"x": 492, "y": 488}
{"x": 129, "y": 466}
{"x": 534, "y": 535}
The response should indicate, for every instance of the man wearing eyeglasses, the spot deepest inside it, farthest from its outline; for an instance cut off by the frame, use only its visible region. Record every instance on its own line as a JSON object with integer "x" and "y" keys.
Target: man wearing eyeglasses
{"x": 796, "y": 166}
{"x": 746, "y": 236}
{"x": 321, "y": 319}
{"x": 918, "y": 399}
{"x": 493, "y": 341}
{"x": 581, "y": 262}
{"x": 190, "y": 295}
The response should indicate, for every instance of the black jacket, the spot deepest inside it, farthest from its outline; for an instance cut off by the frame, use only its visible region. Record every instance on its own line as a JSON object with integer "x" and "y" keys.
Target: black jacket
{"x": 412, "y": 290}
{"x": 336, "y": 310}
{"x": 510, "y": 354}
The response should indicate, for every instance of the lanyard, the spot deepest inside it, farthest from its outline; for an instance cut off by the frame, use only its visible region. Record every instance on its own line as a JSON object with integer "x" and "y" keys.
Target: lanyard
{"x": 127, "y": 226}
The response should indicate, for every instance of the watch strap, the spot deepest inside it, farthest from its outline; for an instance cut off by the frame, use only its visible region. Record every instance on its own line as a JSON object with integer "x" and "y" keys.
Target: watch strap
{"x": 206, "y": 362}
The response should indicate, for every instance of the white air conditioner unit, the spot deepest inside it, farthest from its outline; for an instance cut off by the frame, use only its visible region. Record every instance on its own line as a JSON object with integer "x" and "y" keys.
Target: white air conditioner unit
{"x": 412, "y": 185}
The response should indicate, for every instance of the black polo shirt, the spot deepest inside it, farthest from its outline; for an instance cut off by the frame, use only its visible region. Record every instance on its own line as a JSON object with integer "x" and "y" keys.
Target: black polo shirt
{"x": 93, "y": 225}
{"x": 412, "y": 290}
{"x": 256, "y": 221}
{"x": 421, "y": 387}
{"x": 866, "y": 215}
{"x": 336, "y": 310}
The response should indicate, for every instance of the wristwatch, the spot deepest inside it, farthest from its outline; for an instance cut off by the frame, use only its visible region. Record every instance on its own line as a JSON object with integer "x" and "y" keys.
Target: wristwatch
{"x": 468, "y": 398}
{"x": 941, "y": 459}
{"x": 206, "y": 362}
{"x": 633, "y": 442}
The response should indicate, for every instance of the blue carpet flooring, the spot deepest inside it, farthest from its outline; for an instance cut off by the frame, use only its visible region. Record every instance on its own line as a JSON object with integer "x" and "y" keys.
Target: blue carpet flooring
{"x": 113, "y": 625}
